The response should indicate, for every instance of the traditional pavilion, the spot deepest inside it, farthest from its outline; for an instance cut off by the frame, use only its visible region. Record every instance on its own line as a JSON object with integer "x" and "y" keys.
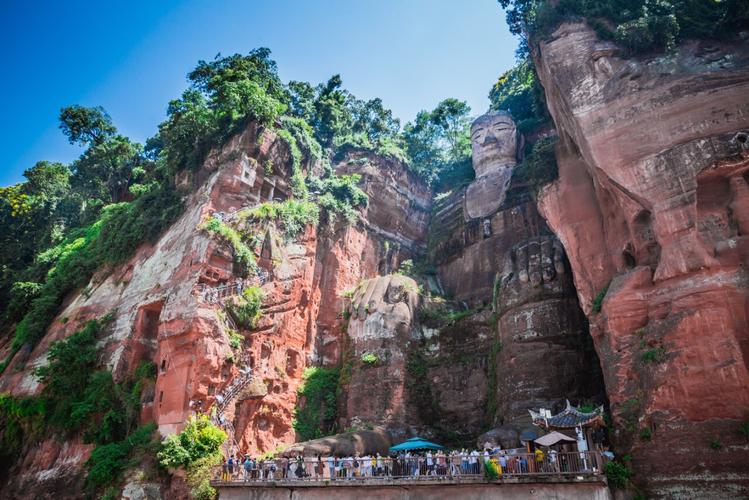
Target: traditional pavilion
{"x": 571, "y": 419}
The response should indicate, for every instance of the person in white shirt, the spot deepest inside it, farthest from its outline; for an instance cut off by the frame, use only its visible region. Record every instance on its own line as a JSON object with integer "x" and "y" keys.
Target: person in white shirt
{"x": 331, "y": 466}
{"x": 430, "y": 463}
{"x": 474, "y": 461}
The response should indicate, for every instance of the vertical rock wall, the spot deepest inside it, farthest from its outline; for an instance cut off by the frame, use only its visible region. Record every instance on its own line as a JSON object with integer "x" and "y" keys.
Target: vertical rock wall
{"x": 652, "y": 202}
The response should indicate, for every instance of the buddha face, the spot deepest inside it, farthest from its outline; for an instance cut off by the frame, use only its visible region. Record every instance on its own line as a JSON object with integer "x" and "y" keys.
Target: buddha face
{"x": 493, "y": 142}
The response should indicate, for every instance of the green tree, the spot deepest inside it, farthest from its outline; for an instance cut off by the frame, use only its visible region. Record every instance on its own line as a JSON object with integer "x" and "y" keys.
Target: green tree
{"x": 105, "y": 169}
{"x": 86, "y": 126}
{"x": 519, "y": 92}
{"x": 223, "y": 94}
{"x": 374, "y": 120}
{"x": 332, "y": 117}
{"x": 438, "y": 140}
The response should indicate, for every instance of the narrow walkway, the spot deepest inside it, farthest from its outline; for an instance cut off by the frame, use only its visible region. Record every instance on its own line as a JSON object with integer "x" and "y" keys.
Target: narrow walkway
{"x": 216, "y": 294}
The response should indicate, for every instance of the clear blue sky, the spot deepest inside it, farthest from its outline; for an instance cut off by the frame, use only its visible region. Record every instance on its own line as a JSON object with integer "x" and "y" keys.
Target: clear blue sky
{"x": 132, "y": 57}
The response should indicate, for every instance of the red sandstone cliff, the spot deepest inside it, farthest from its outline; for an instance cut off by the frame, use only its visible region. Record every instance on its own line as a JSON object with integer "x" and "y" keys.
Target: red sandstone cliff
{"x": 162, "y": 316}
{"x": 653, "y": 198}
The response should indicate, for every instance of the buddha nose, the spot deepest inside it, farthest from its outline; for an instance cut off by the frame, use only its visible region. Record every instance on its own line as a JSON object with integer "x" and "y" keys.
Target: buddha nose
{"x": 489, "y": 138}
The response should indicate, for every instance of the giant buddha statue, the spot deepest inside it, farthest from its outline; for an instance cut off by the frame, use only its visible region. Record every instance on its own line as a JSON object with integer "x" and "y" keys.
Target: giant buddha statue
{"x": 492, "y": 248}
{"x": 494, "y": 150}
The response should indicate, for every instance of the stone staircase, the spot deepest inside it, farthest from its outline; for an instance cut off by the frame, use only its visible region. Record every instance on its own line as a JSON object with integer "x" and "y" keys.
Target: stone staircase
{"x": 223, "y": 400}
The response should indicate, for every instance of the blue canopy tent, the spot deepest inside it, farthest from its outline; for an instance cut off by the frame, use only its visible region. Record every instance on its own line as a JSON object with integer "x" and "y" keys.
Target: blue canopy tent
{"x": 415, "y": 443}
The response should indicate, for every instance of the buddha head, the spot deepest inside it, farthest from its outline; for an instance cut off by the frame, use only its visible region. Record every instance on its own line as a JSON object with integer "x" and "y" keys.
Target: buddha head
{"x": 493, "y": 142}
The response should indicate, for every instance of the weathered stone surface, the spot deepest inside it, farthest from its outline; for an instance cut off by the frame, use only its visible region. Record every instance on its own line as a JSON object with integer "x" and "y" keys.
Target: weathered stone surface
{"x": 546, "y": 355}
{"x": 652, "y": 196}
{"x": 454, "y": 398}
{"x": 361, "y": 442}
{"x": 383, "y": 319}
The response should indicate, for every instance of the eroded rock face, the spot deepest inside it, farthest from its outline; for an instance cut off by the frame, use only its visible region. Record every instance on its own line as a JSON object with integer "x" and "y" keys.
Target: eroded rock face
{"x": 382, "y": 324}
{"x": 652, "y": 197}
{"x": 162, "y": 316}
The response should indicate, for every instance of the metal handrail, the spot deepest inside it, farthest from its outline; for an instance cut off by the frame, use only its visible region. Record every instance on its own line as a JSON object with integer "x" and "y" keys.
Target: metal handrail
{"x": 423, "y": 468}
{"x": 215, "y": 294}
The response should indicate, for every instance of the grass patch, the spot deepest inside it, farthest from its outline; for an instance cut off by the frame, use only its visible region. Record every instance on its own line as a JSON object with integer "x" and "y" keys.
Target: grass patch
{"x": 598, "y": 299}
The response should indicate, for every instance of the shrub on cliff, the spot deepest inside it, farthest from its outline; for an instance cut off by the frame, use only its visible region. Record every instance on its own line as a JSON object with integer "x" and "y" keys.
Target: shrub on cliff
{"x": 246, "y": 309}
{"x": 107, "y": 461}
{"x": 21, "y": 421}
{"x": 243, "y": 256}
{"x": 111, "y": 240}
{"x": 199, "y": 439}
{"x": 290, "y": 215}
{"x": 197, "y": 448}
{"x": 316, "y": 409}
{"x": 540, "y": 166}
{"x": 519, "y": 92}
{"x": 617, "y": 473}
{"x": 340, "y": 195}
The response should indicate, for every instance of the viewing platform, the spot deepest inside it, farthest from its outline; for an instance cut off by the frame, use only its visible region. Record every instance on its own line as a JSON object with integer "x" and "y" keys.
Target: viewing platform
{"x": 575, "y": 475}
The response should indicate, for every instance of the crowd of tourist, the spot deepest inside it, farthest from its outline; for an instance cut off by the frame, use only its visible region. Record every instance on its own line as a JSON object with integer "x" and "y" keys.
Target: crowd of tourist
{"x": 404, "y": 465}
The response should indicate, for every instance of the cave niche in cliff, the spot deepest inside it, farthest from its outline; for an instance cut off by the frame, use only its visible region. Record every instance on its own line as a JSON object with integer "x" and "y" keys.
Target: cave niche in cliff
{"x": 144, "y": 343}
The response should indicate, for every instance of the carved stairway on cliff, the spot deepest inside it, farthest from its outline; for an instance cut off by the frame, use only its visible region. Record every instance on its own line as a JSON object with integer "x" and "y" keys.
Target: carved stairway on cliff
{"x": 216, "y": 294}
{"x": 223, "y": 400}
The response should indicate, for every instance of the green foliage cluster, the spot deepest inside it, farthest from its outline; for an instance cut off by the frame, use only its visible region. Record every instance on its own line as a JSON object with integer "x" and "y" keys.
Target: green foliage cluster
{"x": 539, "y": 167}
{"x": 108, "y": 461}
{"x": 655, "y": 355}
{"x": 369, "y": 358}
{"x": 243, "y": 256}
{"x": 340, "y": 195}
{"x": 637, "y": 25}
{"x": 418, "y": 269}
{"x": 21, "y": 420}
{"x": 246, "y": 309}
{"x": 235, "y": 340}
{"x": 744, "y": 429}
{"x": 110, "y": 240}
{"x": 291, "y": 215}
{"x": 79, "y": 398}
{"x": 199, "y": 439}
{"x": 617, "y": 473}
{"x": 66, "y": 221}
{"x": 339, "y": 119}
{"x": 316, "y": 412}
{"x": 223, "y": 95}
{"x": 519, "y": 92}
{"x": 441, "y": 314}
{"x": 198, "y": 449}
{"x": 439, "y": 140}
{"x": 715, "y": 443}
